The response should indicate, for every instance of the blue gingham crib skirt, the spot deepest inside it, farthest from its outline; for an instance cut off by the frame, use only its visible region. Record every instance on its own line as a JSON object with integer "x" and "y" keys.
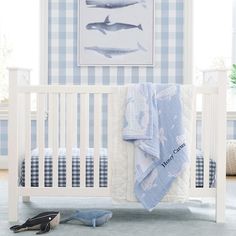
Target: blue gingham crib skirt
{"x": 103, "y": 169}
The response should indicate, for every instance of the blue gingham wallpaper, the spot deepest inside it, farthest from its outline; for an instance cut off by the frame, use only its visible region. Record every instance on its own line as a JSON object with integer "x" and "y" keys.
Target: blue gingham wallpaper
{"x": 63, "y": 69}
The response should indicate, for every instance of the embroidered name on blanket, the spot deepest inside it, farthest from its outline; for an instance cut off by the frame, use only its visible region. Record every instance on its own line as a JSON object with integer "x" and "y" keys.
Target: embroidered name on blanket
{"x": 165, "y": 163}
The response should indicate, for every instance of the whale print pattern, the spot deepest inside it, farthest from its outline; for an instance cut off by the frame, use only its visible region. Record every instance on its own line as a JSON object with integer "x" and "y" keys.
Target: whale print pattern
{"x": 111, "y": 52}
{"x": 113, "y": 4}
{"x": 106, "y": 26}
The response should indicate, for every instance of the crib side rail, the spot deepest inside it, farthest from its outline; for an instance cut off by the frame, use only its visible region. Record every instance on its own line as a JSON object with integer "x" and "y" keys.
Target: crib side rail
{"x": 84, "y": 89}
{"x": 69, "y": 109}
{"x": 59, "y": 109}
{"x": 213, "y": 140}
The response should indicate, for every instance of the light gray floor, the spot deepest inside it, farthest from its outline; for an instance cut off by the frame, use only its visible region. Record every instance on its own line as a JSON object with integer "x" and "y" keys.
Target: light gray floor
{"x": 193, "y": 218}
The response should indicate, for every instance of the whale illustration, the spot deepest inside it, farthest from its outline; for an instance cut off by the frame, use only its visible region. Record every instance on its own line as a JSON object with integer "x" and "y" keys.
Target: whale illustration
{"x": 112, "y": 4}
{"x": 107, "y": 26}
{"x": 110, "y": 52}
{"x": 43, "y": 222}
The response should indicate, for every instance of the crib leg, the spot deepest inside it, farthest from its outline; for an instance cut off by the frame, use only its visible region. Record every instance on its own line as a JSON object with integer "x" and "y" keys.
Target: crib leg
{"x": 220, "y": 213}
{"x": 13, "y": 193}
{"x": 13, "y": 206}
{"x": 221, "y": 192}
{"x": 26, "y": 199}
{"x": 220, "y": 207}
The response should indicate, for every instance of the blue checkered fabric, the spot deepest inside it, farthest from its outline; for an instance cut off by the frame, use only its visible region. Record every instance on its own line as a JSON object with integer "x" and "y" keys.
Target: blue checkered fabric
{"x": 200, "y": 172}
{"x": 103, "y": 169}
{"x": 62, "y": 39}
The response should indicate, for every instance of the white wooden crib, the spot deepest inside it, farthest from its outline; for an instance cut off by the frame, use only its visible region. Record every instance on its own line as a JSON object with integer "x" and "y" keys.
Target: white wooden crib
{"x": 52, "y": 100}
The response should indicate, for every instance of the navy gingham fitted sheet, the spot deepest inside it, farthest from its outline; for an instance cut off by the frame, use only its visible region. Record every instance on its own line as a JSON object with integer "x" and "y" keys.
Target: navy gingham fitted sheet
{"x": 103, "y": 169}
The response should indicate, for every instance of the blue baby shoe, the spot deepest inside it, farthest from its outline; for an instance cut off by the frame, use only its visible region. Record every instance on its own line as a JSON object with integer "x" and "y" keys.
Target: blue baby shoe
{"x": 90, "y": 218}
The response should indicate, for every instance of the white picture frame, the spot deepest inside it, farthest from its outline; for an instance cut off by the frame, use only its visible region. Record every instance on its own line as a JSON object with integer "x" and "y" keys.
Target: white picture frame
{"x": 116, "y": 33}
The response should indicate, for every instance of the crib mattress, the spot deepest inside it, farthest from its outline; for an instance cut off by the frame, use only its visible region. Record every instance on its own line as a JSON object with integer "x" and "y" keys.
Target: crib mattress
{"x": 103, "y": 169}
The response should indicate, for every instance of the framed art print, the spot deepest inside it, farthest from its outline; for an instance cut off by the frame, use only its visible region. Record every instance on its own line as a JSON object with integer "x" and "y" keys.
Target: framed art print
{"x": 116, "y": 32}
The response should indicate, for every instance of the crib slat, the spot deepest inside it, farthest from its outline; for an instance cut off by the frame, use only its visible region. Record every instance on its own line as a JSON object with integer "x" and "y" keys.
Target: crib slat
{"x": 69, "y": 135}
{"x": 62, "y": 120}
{"x": 193, "y": 144}
{"x": 110, "y": 137}
{"x": 71, "y": 140}
{"x": 74, "y": 119}
{"x": 27, "y": 140}
{"x": 53, "y": 129}
{"x": 40, "y": 135}
{"x": 50, "y": 120}
{"x": 84, "y": 128}
{"x": 206, "y": 131}
{"x": 213, "y": 123}
{"x": 97, "y": 137}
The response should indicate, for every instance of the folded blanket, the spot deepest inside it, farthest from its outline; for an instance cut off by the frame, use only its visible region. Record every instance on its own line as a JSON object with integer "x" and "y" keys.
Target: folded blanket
{"x": 153, "y": 121}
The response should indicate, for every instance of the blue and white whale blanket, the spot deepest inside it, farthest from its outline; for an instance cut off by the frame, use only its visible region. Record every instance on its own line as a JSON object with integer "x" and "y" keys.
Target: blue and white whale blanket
{"x": 153, "y": 121}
